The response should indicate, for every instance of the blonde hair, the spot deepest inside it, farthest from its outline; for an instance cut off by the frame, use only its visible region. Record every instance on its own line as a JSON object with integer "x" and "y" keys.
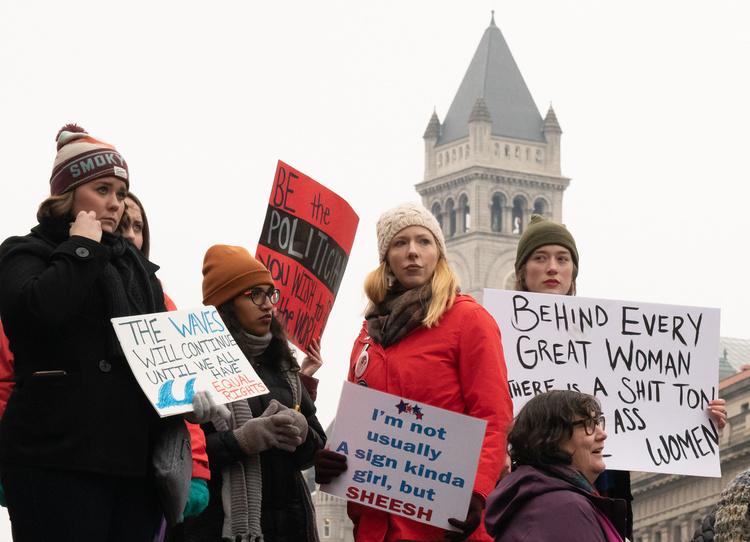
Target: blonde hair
{"x": 444, "y": 284}
{"x": 56, "y": 206}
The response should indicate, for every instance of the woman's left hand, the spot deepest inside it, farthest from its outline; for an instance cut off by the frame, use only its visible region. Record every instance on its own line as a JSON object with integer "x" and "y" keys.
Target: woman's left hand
{"x": 470, "y": 524}
{"x": 717, "y": 409}
{"x": 313, "y": 360}
{"x": 205, "y": 410}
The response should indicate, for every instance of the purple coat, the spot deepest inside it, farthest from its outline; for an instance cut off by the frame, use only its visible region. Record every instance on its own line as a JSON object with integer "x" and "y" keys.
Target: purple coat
{"x": 530, "y": 504}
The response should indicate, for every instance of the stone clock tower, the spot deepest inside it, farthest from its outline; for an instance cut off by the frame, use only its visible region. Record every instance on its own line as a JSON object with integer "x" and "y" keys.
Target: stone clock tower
{"x": 489, "y": 165}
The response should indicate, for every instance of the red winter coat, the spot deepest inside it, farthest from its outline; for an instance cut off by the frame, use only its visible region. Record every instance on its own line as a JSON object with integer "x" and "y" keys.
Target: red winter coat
{"x": 457, "y": 365}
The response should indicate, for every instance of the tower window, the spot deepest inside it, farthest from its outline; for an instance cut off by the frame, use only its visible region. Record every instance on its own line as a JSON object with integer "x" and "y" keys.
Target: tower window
{"x": 436, "y": 211}
{"x": 496, "y": 212}
{"x": 518, "y": 206}
{"x": 463, "y": 207}
{"x": 450, "y": 210}
{"x": 326, "y": 528}
{"x": 540, "y": 206}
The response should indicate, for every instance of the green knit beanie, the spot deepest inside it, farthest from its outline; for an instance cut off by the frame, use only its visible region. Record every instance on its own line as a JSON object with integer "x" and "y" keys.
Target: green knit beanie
{"x": 541, "y": 232}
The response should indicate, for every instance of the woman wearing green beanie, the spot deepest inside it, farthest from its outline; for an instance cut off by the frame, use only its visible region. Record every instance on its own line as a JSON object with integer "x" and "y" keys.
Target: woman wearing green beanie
{"x": 547, "y": 263}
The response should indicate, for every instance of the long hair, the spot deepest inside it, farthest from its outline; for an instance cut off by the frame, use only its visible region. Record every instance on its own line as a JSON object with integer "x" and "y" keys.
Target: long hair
{"x": 520, "y": 285}
{"x": 444, "y": 285}
{"x": 544, "y": 423}
{"x": 56, "y": 206}
{"x": 277, "y": 355}
{"x": 125, "y": 222}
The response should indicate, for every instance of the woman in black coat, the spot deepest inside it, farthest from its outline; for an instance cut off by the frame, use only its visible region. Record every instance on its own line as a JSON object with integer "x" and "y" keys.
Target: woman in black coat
{"x": 256, "y": 458}
{"x": 77, "y": 434}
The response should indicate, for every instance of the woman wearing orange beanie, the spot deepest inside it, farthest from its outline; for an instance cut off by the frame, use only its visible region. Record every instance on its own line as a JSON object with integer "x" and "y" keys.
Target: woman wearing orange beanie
{"x": 257, "y": 490}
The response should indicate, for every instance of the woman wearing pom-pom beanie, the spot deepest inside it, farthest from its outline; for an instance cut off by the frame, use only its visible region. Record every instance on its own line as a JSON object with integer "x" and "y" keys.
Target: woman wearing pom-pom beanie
{"x": 77, "y": 433}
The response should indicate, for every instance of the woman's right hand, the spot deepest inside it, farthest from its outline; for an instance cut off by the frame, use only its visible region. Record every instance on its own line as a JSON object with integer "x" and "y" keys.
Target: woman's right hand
{"x": 271, "y": 430}
{"x": 328, "y": 465}
{"x": 86, "y": 225}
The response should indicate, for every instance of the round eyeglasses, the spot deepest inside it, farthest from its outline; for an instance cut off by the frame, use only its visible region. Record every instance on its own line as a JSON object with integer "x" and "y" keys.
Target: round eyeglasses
{"x": 589, "y": 424}
{"x": 259, "y": 295}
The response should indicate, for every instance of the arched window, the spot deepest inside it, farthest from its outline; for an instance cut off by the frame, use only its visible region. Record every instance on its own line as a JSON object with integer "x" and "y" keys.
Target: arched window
{"x": 496, "y": 212}
{"x": 463, "y": 208}
{"x": 540, "y": 207}
{"x": 519, "y": 203}
{"x": 450, "y": 211}
{"x": 466, "y": 152}
{"x": 453, "y": 155}
{"x": 436, "y": 211}
{"x": 507, "y": 151}
{"x": 326, "y": 528}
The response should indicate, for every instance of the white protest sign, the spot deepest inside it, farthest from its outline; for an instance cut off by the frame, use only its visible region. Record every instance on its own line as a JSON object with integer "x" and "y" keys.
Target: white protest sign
{"x": 175, "y": 354}
{"x": 654, "y": 368}
{"x": 406, "y": 458}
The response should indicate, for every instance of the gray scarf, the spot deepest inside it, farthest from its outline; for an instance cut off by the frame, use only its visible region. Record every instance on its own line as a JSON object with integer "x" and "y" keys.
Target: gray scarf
{"x": 241, "y": 481}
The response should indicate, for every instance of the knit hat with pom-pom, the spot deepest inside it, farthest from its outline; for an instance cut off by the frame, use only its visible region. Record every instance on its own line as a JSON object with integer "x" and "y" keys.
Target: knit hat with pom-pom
{"x": 81, "y": 159}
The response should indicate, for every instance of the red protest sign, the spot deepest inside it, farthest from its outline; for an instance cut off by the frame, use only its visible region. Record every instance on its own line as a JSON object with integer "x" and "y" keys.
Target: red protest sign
{"x": 305, "y": 244}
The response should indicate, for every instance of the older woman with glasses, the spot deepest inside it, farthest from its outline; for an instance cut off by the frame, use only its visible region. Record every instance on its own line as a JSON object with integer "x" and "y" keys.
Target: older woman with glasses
{"x": 557, "y": 445}
{"x": 257, "y": 490}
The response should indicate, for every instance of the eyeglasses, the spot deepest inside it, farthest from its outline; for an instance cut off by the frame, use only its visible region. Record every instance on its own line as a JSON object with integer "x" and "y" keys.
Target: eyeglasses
{"x": 589, "y": 424}
{"x": 259, "y": 295}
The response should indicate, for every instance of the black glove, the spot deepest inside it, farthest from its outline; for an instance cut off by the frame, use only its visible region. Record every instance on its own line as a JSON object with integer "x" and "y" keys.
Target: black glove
{"x": 328, "y": 465}
{"x": 470, "y": 524}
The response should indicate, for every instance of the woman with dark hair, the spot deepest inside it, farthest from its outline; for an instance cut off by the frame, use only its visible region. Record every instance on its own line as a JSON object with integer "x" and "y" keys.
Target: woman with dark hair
{"x": 547, "y": 263}
{"x": 257, "y": 490}
{"x": 557, "y": 444}
{"x": 134, "y": 227}
{"x": 425, "y": 341}
{"x": 77, "y": 435}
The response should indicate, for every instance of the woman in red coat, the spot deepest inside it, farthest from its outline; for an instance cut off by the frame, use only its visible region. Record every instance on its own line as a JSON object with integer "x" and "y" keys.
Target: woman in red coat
{"x": 423, "y": 340}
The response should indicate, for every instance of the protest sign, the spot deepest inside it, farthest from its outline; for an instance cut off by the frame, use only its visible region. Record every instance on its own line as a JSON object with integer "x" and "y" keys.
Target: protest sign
{"x": 175, "y": 354}
{"x": 408, "y": 459}
{"x": 305, "y": 244}
{"x": 654, "y": 368}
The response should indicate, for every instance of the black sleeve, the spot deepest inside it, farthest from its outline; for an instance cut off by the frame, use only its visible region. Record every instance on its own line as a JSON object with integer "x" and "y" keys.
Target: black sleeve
{"x": 222, "y": 448}
{"x": 316, "y": 436}
{"x": 49, "y": 288}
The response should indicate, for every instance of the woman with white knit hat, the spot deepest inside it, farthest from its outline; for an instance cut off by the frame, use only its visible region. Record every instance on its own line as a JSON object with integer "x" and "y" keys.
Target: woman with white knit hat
{"x": 425, "y": 341}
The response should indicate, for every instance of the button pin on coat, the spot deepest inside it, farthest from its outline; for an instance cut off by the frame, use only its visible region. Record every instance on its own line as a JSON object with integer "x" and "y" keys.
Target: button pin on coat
{"x": 105, "y": 366}
{"x": 82, "y": 252}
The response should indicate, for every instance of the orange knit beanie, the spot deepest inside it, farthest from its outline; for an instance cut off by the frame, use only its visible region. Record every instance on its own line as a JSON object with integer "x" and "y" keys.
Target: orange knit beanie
{"x": 228, "y": 271}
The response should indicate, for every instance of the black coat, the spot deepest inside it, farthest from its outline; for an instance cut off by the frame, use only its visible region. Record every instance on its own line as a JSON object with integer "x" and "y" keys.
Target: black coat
{"x": 76, "y": 405}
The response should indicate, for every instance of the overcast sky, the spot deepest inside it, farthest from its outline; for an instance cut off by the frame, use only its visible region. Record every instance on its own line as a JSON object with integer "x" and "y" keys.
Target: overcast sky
{"x": 202, "y": 101}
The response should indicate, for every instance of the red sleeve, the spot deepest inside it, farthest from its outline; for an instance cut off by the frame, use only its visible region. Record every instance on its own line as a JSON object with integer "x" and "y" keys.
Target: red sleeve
{"x": 484, "y": 384}
{"x": 6, "y": 370}
{"x": 200, "y": 456}
{"x": 169, "y": 303}
{"x": 311, "y": 385}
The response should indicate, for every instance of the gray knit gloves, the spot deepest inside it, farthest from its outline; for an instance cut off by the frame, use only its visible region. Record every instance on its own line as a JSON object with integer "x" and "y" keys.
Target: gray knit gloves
{"x": 205, "y": 410}
{"x": 278, "y": 427}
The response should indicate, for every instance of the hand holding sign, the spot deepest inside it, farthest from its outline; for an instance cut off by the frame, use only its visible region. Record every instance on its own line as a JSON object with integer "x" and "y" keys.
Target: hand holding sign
{"x": 205, "y": 410}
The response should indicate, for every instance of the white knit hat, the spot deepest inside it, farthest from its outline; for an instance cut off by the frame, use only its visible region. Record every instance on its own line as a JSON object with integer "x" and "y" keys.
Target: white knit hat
{"x": 407, "y": 214}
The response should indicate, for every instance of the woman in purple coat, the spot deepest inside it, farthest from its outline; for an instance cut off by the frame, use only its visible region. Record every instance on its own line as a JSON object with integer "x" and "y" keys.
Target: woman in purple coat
{"x": 557, "y": 444}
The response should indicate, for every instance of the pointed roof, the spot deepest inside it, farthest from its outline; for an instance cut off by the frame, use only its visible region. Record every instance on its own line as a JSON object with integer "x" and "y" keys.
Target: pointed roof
{"x": 433, "y": 127}
{"x": 480, "y": 111}
{"x": 550, "y": 121}
{"x": 494, "y": 76}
